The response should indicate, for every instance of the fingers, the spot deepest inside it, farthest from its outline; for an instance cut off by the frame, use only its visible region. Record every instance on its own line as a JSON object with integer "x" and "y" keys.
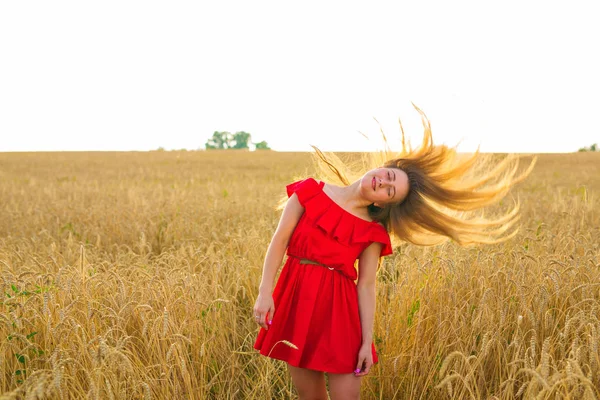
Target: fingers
{"x": 368, "y": 366}
{"x": 270, "y": 315}
{"x": 363, "y": 367}
{"x": 262, "y": 319}
{"x": 359, "y": 366}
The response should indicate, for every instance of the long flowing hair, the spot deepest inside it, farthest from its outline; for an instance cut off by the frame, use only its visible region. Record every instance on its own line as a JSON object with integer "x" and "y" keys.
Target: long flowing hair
{"x": 447, "y": 190}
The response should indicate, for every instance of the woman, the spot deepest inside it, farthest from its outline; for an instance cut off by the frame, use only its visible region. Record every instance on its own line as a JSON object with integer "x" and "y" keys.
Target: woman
{"x": 317, "y": 318}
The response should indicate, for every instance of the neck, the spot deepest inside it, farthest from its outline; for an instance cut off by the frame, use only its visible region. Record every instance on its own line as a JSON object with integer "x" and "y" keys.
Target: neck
{"x": 351, "y": 198}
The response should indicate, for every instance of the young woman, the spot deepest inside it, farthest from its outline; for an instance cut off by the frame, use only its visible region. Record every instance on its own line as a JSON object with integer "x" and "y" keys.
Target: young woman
{"x": 317, "y": 318}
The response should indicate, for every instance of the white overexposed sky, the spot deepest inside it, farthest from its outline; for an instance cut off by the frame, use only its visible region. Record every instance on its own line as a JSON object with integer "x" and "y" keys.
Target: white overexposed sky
{"x": 512, "y": 76}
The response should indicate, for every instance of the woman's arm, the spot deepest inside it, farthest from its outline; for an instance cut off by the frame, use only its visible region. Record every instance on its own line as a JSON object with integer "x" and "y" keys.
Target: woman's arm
{"x": 365, "y": 287}
{"x": 287, "y": 223}
{"x": 264, "y": 307}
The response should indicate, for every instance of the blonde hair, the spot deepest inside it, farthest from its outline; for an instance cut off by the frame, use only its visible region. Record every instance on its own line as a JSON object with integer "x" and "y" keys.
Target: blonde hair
{"x": 447, "y": 190}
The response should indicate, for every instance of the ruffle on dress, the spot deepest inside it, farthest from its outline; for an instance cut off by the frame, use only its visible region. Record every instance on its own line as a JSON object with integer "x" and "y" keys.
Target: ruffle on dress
{"x": 340, "y": 224}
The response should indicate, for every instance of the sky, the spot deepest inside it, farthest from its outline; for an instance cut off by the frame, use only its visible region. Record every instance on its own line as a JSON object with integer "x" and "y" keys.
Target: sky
{"x": 511, "y": 76}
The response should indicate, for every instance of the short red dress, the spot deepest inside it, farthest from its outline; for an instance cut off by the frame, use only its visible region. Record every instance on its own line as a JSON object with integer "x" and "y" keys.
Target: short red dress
{"x": 316, "y": 306}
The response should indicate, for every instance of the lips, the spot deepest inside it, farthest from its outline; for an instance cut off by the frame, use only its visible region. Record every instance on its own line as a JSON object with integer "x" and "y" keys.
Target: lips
{"x": 373, "y": 183}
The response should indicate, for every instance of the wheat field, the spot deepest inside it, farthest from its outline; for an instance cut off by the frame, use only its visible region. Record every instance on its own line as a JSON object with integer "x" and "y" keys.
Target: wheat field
{"x": 133, "y": 276}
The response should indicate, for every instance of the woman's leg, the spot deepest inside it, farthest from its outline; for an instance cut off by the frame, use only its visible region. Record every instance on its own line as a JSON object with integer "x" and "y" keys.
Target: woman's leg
{"x": 310, "y": 384}
{"x": 344, "y": 386}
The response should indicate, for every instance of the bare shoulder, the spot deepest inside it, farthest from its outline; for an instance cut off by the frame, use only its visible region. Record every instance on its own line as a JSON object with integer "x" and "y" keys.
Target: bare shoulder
{"x": 381, "y": 225}
{"x": 292, "y": 212}
{"x": 293, "y": 203}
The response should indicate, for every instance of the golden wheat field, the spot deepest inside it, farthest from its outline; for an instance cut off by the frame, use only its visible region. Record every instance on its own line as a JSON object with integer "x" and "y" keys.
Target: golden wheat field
{"x": 133, "y": 276}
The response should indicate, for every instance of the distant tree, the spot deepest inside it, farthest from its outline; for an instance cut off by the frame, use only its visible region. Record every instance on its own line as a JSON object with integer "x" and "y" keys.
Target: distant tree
{"x": 219, "y": 140}
{"x": 593, "y": 147}
{"x": 262, "y": 146}
{"x": 241, "y": 140}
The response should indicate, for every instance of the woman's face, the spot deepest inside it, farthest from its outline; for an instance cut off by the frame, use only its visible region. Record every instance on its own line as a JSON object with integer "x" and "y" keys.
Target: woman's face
{"x": 384, "y": 186}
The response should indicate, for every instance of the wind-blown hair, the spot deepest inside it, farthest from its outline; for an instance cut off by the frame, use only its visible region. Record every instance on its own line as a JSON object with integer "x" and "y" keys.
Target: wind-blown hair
{"x": 447, "y": 190}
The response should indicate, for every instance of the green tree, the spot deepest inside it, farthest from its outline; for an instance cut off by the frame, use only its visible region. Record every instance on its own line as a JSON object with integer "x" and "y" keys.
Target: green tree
{"x": 241, "y": 140}
{"x": 219, "y": 140}
{"x": 593, "y": 147}
{"x": 262, "y": 146}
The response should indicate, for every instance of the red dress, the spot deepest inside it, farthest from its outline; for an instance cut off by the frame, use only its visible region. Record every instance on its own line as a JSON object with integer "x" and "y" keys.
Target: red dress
{"x": 316, "y": 306}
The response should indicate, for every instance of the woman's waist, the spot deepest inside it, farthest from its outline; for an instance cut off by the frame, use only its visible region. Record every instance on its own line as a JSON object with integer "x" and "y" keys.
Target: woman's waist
{"x": 306, "y": 260}
{"x": 346, "y": 270}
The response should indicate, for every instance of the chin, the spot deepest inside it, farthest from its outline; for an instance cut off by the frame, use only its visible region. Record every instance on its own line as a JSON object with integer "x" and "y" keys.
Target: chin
{"x": 365, "y": 186}
{"x": 366, "y": 189}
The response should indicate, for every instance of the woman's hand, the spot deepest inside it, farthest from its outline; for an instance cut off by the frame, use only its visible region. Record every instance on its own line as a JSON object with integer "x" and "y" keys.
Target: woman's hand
{"x": 365, "y": 360}
{"x": 264, "y": 309}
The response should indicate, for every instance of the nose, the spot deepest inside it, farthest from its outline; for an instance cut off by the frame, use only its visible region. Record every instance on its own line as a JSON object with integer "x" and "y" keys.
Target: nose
{"x": 381, "y": 182}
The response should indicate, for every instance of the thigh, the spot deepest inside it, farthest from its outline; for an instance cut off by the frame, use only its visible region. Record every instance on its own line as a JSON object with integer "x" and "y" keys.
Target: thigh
{"x": 309, "y": 384}
{"x": 344, "y": 386}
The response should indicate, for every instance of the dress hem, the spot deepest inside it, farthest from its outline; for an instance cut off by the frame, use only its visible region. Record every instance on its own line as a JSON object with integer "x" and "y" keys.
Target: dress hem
{"x": 295, "y": 364}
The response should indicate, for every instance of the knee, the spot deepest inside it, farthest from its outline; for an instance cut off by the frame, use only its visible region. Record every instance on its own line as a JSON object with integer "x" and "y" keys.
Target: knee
{"x": 312, "y": 395}
{"x": 315, "y": 397}
{"x": 344, "y": 387}
{"x": 345, "y": 396}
